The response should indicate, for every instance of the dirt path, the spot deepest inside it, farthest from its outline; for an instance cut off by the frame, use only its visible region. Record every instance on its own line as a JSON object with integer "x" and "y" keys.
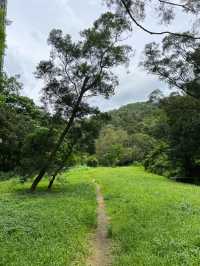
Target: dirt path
{"x": 100, "y": 243}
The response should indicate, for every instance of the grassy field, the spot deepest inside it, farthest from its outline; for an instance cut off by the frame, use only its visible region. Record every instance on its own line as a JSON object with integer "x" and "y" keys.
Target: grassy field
{"x": 153, "y": 221}
{"x": 46, "y": 228}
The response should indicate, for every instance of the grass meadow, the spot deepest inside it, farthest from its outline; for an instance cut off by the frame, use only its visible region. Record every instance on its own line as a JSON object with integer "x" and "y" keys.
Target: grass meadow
{"x": 46, "y": 228}
{"x": 153, "y": 221}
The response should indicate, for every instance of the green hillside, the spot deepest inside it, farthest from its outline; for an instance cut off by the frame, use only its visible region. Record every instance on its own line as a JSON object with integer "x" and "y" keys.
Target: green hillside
{"x": 135, "y": 117}
{"x": 163, "y": 135}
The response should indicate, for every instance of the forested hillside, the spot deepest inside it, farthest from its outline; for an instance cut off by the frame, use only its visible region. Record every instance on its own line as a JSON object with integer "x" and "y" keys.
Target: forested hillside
{"x": 162, "y": 134}
{"x": 136, "y": 117}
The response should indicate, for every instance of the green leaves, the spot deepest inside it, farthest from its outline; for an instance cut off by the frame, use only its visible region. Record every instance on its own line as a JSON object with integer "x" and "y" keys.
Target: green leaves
{"x": 83, "y": 67}
{"x": 177, "y": 62}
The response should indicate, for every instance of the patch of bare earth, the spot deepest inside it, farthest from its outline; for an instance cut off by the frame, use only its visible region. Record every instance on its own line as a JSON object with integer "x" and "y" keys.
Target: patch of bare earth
{"x": 100, "y": 253}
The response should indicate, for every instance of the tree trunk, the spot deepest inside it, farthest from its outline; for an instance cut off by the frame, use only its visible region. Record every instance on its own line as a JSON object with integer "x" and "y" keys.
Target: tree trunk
{"x": 53, "y": 178}
{"x": 60, "y": 167}
{"x": 55, "y": 150}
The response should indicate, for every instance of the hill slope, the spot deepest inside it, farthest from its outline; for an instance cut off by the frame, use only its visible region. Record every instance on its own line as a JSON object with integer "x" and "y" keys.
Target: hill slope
{"x": 135, "y": 117}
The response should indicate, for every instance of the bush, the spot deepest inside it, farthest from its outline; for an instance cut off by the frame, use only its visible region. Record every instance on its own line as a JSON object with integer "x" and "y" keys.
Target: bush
{"x": 92, "y": 161}
{"x": 126, "y": 157}
{"x": 8, "y": 175}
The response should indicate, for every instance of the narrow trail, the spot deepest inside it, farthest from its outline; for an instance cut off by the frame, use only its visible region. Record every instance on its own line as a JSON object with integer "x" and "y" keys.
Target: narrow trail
{"x": 100, "y": 243}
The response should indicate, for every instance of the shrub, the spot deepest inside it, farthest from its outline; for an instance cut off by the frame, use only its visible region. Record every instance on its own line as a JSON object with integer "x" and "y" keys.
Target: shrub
{"x": 92, "y": 161}
{"x": 8, "y": 175}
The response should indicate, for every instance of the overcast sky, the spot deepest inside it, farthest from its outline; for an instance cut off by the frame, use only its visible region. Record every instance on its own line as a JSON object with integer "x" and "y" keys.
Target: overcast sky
{"x": 26, "y": 45}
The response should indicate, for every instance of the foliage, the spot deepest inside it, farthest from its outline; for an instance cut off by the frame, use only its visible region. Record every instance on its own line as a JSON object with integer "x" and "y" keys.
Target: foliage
{"x": 155, "y": 96}
{"x": 18, "y": 117}
{"x": 89, "y": 128}
{"x": 41, "y": 139}
{"x": 92, "y": 161}
{"x": 161, "y": 133}
{"x": 177, "y": 62}
{"x": 25, "y": 130}
{"x": 158, "y": 161}
{"x": 163, "y": 11}
{"x": 112, "y": 147}
{"x": 176, "y": 151}
{"x": 84, "y": 68}
{"x": 141, "y": 145}
{"x": 135, "y": 117}
{"x": 131, "y": 134}
{"x": 140, "y": 7}
{"x": 183, "y": 118}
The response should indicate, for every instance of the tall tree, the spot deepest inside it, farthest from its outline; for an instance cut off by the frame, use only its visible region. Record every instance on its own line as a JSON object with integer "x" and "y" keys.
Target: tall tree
{"x": 80, "y": 70}
{"x": 183, "y": 119}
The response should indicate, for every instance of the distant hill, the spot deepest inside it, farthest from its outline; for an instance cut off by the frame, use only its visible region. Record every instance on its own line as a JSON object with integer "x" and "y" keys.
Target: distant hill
{"x": 135, "y": 117}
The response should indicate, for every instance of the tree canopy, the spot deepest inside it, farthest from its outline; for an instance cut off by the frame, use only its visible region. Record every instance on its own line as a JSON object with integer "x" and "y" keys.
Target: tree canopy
{"x": 177, "y": 62}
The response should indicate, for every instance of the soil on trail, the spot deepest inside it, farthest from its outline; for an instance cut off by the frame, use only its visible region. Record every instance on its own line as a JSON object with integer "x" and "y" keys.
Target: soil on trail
{"x": 100, "y": 243}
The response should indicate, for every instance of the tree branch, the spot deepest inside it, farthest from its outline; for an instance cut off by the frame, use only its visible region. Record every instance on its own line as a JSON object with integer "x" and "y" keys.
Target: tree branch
{"x": 152, "y": 32}
{"x": 68, "y": 75}
{"x": 177, "y": 5}
{"x": 172, "y": 81}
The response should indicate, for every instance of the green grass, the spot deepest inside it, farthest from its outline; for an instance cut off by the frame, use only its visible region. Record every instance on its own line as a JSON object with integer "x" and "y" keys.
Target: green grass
{"x": 154, "y": 221}
{"x": 46, "y": 228}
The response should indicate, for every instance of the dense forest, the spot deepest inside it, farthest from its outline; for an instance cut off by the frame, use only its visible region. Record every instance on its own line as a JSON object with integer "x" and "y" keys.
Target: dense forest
{"x": 153, "y": 136}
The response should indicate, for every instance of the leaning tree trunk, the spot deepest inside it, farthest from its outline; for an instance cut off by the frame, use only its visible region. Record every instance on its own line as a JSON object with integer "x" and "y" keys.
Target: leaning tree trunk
{"x": 54, "y": 177}
{"x": 59, "y": 168}
{"x": 60, "y": 141}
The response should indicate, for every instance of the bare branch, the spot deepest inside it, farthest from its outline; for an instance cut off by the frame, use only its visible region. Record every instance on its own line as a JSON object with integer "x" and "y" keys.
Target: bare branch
{"x": 68, "y": 75}
{"x": 176, "y": 5}
{"x": 152, "y": 32}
